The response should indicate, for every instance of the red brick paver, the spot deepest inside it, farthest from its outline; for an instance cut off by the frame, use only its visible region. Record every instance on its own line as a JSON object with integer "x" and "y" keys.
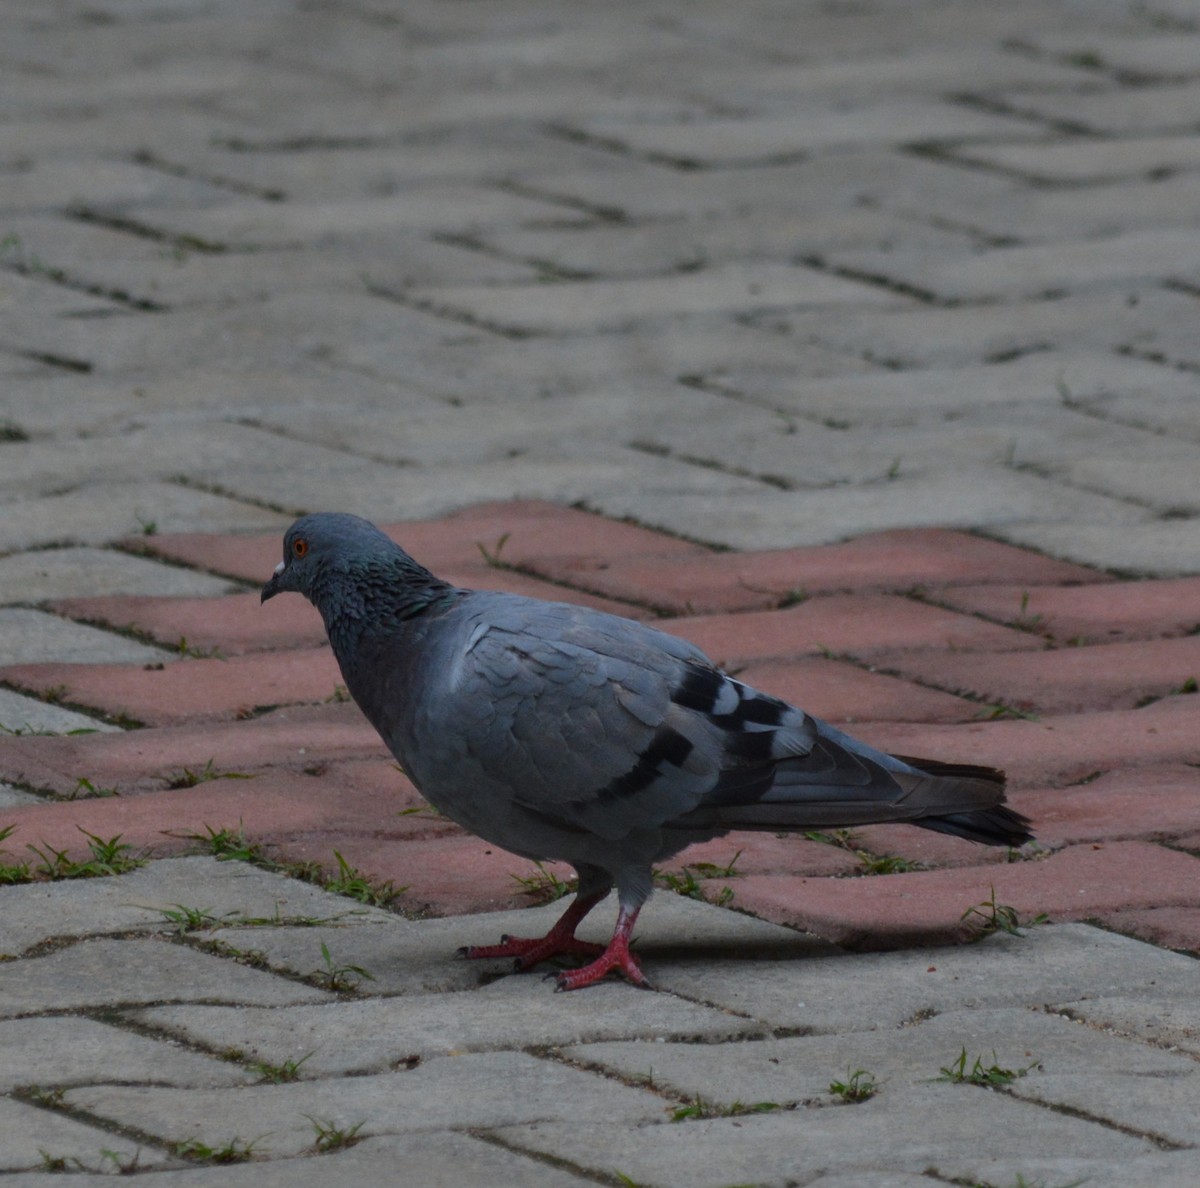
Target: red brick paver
{"x": 899, "y": 560}
{"x": 1065, "y": 679}
{"x": 859, "y": 625}
{"x": 519, "y": 533}
{"x": 188, "y": 689}
{"x": 1150, "y": 609}
{"x": 930, "y": 642}
{"x": 927, "y": 907}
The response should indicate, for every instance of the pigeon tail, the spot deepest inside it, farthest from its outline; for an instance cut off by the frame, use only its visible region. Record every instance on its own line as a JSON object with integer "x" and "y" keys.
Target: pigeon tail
{"x": 999, "y": 826}
{"x": 986, "y": 819}
{"x": 960, "y": 799}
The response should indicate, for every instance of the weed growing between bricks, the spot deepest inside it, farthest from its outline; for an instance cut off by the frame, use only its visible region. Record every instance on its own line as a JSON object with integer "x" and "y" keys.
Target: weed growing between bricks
{"x": 107, "y": 856}
{"x": 228, "y": 845}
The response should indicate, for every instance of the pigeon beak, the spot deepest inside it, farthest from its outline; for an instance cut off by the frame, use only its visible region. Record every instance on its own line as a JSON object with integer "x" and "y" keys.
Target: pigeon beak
{"x": 272, "y": 587}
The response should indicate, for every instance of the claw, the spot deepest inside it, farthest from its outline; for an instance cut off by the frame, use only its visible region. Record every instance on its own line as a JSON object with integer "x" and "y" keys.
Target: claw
{"x": 616, "y": 957}
{"x": 530, "y": 950}
{"x": 561, "y": 939}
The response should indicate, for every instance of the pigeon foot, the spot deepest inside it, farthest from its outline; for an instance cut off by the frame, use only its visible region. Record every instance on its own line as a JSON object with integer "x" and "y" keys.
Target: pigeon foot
{"x": 529, "y": 950}
{"x": 616, "y": 957}
{"x": 561, "y": 939}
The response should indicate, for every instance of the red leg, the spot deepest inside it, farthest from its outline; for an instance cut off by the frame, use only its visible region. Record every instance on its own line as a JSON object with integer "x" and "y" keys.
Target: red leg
{"x": 616, "y": 956}
{"x": 528, "y": 951}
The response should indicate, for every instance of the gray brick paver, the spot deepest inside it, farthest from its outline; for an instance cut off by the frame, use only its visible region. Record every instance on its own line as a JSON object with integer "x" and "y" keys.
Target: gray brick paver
{"x": 77, "y": 1049}
{"x": 35, "y": 637}
{"x": 887, "y": 991}
{"x": 60, "y": 573}
{"x": 97, "y": 973}
{"x": 1090, "y": 160}
{"x": 379, "y": 1033}
{"x": 772, "y": 137}
{"x": 1053, "y": 1049}
{"x": 918, "y": 1127}
{"x": 1014, "y": 272}
{"x": 229, "y": 892}
{"x": 27, "y": 715}
{"x": 29, "y": 1134}
{"x": 486, "y": 1089}
{"x": 1115, "y": 111}
{"x": 443, "y": 1159}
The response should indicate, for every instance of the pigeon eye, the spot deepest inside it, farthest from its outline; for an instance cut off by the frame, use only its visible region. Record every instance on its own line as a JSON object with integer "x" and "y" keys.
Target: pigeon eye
{"x": 299, "y": 547}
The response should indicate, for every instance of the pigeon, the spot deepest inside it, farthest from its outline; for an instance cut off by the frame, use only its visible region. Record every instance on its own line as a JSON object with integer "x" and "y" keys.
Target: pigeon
{"x": 561, "y": 732}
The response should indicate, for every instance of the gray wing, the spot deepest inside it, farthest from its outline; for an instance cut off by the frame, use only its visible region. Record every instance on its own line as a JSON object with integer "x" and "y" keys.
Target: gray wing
{"x": 604, "y": 724}
{"x": 595, "y": 723}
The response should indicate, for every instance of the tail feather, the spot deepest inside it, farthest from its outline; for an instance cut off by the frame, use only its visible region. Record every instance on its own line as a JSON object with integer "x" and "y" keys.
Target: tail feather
{"x": 999, "y": 826}
{"x": 964, "y": 800}
{"x": 983, "y": 815}
{"x": 972, "y": 771}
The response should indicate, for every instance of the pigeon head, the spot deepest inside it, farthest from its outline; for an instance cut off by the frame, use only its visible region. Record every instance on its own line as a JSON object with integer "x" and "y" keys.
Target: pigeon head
{"x": 319, "y": 549}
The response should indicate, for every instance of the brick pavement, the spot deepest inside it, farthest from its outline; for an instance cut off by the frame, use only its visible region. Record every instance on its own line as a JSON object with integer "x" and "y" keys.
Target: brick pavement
{"x": 912, "y": 637}
{"x": 854, "y": 342}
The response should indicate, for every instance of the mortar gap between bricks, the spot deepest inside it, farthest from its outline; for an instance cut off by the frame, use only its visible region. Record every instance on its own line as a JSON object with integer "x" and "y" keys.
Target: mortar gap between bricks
{"x": 1081, "y": 1020}
{"x": 58, "y": 696}
{"x": 981, "y": 235}
{"x": 983, "y": 533}
{"x": 44, "y": 794}
{"x": 62, "y": 279}
{"x": 127, "y": 225}
{"x": 1047, "y": 472}
{"x": 574, "y": 585}
{"x": 460, "y": 316}
{"x": 1132, "y": 934}
{"x": 96, "y": 1121}
{"x": 637, "y": 522}
{"x": 130, "y": 631}
{"x": 61, "y": 362}
{"x": 143, "y": 547}
{"x": 612, "y": 144}
{"x": 880, "y": 280}
{"x": 548, "y": 269}
{"x": 193, "y": 484}
{"x": 923, "y": 596}
{"x": 791, "y": 417}
{"x": 952, "y": 155}
{"x": 253, "y": 959}
{"x": 151, "y": 160}
{"x": 995, "y": 105}
{"x": 557, "y": 1163}
{"x": 608, "y": 1073}
{"x": 303, "y": 144}
{"x": 1129, "y": 351}
{"x": 602, "y": 213}
{"x": 1068, "y": 1111}
{"x": 179, "y": 1037}
{"x": 715, "y": 464}
{"x": 289, "y": 434}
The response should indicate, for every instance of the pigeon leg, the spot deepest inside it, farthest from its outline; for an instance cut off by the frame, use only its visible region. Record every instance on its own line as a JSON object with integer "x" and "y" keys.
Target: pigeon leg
{"x": 616, "y": 956}
{"x": 560, "y": 939}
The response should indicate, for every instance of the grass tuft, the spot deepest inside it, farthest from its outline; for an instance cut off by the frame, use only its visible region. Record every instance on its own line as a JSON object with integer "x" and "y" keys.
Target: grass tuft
{"x": 699, "y": 1107}
{"x": 189, "y": 779}
{"x": 858, "y": 1086}
{"x": 991, "y": 1076}
{"x": 338, "y": 979}
{"x": 999, "y": 917}
{"x": 331, "y": 1137}
{"x": 545, "y": 886}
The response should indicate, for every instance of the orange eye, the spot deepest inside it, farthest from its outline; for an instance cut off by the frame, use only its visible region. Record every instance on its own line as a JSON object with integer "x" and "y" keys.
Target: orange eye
{"x": 299, "y": 547}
